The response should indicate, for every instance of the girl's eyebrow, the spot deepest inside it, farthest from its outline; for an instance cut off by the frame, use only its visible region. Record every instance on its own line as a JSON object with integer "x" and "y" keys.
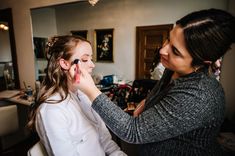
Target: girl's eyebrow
{"x": 85, "y": 55}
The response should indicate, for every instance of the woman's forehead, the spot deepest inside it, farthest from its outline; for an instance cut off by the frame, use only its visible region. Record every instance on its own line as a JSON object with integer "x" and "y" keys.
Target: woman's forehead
{"x": 177, "y": 39}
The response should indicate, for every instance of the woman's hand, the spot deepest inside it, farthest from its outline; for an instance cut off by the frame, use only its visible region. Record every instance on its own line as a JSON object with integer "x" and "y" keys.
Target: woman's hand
{"x": 139, "y": 109}
{"x": 86, "y": 83}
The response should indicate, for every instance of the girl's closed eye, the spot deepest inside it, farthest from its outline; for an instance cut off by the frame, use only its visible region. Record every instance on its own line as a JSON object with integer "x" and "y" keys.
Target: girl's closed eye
{"x": 84, "y": 60}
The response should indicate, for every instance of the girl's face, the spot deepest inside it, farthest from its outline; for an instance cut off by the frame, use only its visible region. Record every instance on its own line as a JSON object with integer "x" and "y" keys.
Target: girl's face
{"x": 174, "y": 54}
{"x": 83, "y": 52}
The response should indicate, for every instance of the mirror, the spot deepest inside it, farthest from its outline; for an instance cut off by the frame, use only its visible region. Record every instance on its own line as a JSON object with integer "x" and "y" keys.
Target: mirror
{"x": 9, "y": 78}
{"x": 45, "y": 25}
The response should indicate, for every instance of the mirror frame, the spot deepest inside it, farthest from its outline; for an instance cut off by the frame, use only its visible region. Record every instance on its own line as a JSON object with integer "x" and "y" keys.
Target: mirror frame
{"x": 6, "y": 16}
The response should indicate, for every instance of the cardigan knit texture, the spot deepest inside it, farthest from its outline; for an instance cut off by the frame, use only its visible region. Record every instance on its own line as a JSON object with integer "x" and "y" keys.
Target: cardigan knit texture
{"x": 181, "y": 117}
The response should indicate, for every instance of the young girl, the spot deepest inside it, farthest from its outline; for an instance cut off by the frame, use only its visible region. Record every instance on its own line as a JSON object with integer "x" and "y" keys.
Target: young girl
{"x": 62, "y": 116}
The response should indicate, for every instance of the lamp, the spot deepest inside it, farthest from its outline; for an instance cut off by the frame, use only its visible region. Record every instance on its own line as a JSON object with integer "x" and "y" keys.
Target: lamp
{"x": 4, "y": 27}
{"x": 93, "y": 2}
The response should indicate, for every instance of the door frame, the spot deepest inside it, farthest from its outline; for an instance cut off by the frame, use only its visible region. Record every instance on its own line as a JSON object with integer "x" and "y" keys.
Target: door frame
{"x": 139, "y": 31}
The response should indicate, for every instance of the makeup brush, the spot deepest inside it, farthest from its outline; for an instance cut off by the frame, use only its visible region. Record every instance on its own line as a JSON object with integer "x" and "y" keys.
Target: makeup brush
{"x": 76, "y": 76}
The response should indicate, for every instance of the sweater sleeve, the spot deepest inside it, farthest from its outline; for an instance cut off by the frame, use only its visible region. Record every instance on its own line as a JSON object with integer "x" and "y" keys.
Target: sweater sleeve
{"x": 177, "y": 113}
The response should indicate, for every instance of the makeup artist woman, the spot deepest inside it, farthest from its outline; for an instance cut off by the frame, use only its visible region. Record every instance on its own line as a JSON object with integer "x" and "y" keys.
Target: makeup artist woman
{"x": 184, "y": 112}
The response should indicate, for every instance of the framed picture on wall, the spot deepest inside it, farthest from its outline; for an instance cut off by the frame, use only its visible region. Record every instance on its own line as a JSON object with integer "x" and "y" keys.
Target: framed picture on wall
{"x": 40, "y": 47}
{"x": 104, "y": 45}
{"x": 82, "y": 33}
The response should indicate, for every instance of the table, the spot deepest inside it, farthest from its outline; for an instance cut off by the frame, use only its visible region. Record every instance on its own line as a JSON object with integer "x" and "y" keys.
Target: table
{"x": 15, "y": 97}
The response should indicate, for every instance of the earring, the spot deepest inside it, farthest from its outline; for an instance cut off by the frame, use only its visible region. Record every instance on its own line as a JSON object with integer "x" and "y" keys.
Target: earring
{"x": 196, "y": 69}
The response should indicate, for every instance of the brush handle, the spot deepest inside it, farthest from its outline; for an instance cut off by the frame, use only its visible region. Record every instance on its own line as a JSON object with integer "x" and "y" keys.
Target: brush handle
{"x": 77, "y": 74}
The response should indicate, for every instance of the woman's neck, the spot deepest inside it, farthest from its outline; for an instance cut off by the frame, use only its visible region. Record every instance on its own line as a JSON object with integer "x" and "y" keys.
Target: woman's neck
{"x": 177, "y": 74}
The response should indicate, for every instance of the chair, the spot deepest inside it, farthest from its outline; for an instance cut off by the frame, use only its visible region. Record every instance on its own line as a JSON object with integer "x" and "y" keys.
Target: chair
{"x": 9, "y": 125}
{"x": 37, "y": 150}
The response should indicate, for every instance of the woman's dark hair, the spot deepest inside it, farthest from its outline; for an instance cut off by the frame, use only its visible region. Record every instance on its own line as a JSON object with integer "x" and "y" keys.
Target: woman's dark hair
{"x": 58, "y": 47}
{"x": 208, "y": 34}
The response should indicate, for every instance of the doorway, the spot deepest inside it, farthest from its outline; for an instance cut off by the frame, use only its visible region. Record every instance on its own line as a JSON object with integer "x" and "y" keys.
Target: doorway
{"x": 148, "y": 38}
{"x": 8, "y": 58}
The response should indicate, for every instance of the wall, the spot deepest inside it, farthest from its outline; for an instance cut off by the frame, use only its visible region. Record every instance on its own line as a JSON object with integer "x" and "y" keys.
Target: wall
{"x": 228, "y": 74}
{"x": 44, "y": 22}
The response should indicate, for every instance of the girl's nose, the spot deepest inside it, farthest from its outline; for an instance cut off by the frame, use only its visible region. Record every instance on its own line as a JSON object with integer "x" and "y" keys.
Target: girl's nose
{"x": 92, "y": 65}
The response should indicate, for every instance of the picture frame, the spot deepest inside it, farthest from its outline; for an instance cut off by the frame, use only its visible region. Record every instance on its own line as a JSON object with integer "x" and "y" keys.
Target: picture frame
{"x": 82, "y": 33}
{"x": 104, "y": 45}
{"x": 40, "y": 47}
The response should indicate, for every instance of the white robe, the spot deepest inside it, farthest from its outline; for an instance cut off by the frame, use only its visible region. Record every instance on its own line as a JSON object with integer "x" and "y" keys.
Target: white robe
{"x": 157, "y": 73}
{"x": 73, "y": 128}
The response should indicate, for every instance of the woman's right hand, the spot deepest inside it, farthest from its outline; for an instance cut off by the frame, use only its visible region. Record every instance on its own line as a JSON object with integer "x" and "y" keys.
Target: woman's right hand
{"x": 86, "y": 83}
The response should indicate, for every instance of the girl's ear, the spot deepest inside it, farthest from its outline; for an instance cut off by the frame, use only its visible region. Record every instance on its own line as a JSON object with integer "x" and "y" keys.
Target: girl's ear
{"x": 64, "y": 64}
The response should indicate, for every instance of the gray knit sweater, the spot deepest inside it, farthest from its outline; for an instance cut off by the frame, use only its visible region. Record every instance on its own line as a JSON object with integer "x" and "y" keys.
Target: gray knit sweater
{"x": 181, "y": 118}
